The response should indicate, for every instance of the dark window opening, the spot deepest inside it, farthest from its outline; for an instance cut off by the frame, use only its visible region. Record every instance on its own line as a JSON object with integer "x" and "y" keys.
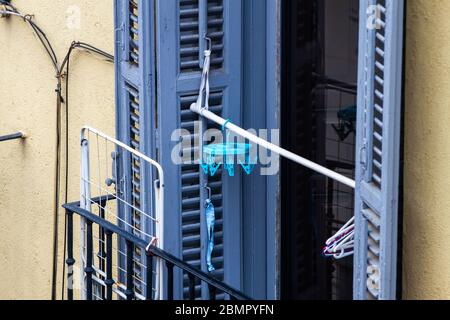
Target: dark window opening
{"x": 318, "y": 121}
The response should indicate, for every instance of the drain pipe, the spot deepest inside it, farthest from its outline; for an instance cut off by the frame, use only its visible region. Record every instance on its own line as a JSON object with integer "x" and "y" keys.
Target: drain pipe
{"x": 272, "y": 147}
{"x": 14, "y": 136}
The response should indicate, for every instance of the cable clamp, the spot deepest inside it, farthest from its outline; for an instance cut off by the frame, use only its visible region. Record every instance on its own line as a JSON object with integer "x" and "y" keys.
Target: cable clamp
{"x": 28, "y": 17}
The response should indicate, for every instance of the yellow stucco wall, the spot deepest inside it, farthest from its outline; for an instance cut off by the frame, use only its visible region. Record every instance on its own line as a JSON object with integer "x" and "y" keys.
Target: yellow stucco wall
{"x": 427, "y": 151}
{"x": 27, "y": 103}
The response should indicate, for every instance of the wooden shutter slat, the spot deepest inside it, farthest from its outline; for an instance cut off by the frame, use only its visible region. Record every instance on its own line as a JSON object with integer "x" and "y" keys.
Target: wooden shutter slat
{"x": 378, "y": 146}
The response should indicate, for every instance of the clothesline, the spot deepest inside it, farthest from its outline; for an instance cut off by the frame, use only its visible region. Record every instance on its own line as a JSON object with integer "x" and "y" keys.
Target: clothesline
{"x": 338, "y": 246}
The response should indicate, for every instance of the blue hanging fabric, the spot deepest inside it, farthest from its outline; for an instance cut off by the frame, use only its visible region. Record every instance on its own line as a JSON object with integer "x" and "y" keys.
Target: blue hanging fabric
{"x": 210, "y": 221}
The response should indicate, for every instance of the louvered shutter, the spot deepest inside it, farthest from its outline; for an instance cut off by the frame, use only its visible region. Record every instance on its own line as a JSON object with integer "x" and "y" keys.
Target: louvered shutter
{"x": 182, "y": 25}
{"x": 134, "y": 122}
{"x": 378, "y": 145}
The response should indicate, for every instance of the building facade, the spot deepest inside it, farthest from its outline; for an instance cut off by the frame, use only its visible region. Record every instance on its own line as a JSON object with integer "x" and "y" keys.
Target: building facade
{"x": 254, "y": 64}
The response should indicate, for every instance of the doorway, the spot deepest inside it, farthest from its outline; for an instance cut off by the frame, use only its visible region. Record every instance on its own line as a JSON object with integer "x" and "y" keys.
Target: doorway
{"x": 318, "y": 121}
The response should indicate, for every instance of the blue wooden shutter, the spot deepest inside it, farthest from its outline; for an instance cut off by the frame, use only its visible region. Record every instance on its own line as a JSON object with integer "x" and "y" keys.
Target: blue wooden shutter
{"x": 134, "y": 122}
{"x": 378, "y": 145}
{"x": 182, "y": 25}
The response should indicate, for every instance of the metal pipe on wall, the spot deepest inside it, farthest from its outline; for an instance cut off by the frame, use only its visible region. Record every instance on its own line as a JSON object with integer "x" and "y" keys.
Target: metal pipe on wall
{"x": 13, "y": 136}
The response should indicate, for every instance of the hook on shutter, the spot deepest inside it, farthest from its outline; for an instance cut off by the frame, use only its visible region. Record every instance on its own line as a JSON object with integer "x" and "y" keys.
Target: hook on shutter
{"x": 202, "y": 30}
{"x": 363, "y": 156}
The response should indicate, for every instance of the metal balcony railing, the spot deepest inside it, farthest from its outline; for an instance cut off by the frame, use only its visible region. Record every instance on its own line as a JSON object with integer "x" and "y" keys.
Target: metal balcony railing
{"x": 105, "y": 274}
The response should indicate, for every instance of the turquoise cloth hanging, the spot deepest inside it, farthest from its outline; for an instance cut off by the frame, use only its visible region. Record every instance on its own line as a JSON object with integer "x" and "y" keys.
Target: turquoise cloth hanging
{"x": 210, "y": 221}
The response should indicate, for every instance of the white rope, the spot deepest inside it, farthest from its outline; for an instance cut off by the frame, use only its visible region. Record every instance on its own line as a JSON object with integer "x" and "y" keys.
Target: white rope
{"x": 204, "y": 85}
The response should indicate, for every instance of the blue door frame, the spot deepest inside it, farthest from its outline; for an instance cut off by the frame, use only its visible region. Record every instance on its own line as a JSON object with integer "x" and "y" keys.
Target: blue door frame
{"x": 261, "y": 85}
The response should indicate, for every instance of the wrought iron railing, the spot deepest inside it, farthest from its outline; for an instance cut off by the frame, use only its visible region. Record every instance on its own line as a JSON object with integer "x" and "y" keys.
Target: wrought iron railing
{"x": 107, "y": 230}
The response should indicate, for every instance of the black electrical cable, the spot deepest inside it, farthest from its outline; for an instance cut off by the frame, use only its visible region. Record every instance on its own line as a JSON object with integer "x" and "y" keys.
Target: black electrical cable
{"x": 40, "y": 34}
{"x": 12, "y": 11}
{"x": 66, "y": 64}
{"x": 45, "y": 42}
{"x": 50, "y": 51}
{"x": 88, "y": 47}
{"x": 7, "y": 4}
{"x": 67, "y": 167}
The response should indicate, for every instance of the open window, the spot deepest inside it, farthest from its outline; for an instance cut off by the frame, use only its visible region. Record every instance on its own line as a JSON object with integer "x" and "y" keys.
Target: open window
{"x": 341, "y": 108}
{"x": 341, "y": 103}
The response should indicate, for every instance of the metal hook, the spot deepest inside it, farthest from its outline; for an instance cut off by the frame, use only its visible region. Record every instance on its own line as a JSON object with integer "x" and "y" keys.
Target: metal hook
{"x": 208, "y": 39}
{"x": 209, "y": 191}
